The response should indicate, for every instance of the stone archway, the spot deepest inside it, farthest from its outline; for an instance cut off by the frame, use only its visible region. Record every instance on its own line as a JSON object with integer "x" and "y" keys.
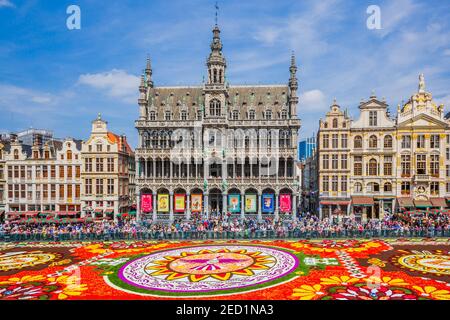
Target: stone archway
{"x": 215, "y": 201}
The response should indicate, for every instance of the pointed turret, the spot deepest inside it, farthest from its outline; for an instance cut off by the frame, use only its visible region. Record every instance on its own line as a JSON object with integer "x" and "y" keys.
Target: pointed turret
{"x": 142, "y": 98}
{"x": 293, "y": 87}
{"x": 149, "y": 73}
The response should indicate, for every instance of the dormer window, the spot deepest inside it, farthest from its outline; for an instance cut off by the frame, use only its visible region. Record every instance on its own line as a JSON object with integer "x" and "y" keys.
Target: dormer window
{"x": 167, "y": 116}
{"x": 268, "y": 115}
{"x": 235, "y": 115}
{"x": 99, "y": 147}
{"x": 214, "y": 108}
{"x": 47, "y": 154}
{"x": 183, "y": 115}
{"x": 284, "y": 114}
{"x": 199, "y": 115}
{"x": 251, "y": 114}
{"x": 16, "y": 154}
{"x": 152, "y": 116}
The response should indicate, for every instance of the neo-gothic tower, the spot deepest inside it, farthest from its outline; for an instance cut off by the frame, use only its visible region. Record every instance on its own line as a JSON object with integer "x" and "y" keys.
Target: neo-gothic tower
{"x": 215, "y": 88}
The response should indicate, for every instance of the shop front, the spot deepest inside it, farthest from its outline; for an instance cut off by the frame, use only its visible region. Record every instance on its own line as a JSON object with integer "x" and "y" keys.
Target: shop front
{"x": 363, "y": 208}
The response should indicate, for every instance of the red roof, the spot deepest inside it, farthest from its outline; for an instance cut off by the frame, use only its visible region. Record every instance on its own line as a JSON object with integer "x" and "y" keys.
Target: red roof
{"x": 114, "y": 138}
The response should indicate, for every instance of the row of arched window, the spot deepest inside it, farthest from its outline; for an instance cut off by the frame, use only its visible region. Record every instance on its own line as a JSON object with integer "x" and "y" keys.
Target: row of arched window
{"x": 372, "y": 187}
{"x": 162, "y": 139}
{"x": 334, "y": 124}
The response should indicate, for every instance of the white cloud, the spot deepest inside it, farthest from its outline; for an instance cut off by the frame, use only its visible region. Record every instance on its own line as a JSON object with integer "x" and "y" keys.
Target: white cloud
{"x": 267, "y": 35}
{"x": 312, "y": 101}
{"x": 115, "y": 83}
{"x": 395, "y": 13}
{"x": 25, "y": 101}
{"x": 6, "y": 3}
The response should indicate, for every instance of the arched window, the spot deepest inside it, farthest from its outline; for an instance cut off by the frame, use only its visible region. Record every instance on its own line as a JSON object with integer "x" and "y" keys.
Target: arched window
{"x": 358, "y": 142}
{"x": 152, "y": 116}
{"x": 214, "y": 108}
{"x": 69, "y": 155}
{"x": 215, "y": 76}
{"x": 358, "y": 187}
{"x": 373, "y": 141}
{"x": 335, "y": 123}
{"x": 387, "y": 187}
{"x": 16, "y": 154}
{"x": 388, "y": 142}
{"x": 344, "y": 125}
{"x": 373, "y": 187}
{"x": 373, "y": 167}
{"x": 325, "y": 125}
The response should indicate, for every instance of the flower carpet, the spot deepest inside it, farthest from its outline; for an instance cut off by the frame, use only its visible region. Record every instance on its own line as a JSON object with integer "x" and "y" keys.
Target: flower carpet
{"x": 353, "y": 269}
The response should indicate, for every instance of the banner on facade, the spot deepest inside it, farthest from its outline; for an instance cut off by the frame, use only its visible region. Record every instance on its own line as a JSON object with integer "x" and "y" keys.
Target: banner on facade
{"x": 285, "y": 203}
{"x": 196, "y": 203}
{"x": 234, "y": 203}
{"x": 250, "y": 203}
{"x": 146, "y": 203}
{"x": 163, "y": 203}
{"x": 268, "y": 201}
{"x": 180, "y": 203}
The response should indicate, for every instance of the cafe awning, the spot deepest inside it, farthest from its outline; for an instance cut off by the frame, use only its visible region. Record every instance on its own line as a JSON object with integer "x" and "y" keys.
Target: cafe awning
{"x": 438, "y": 202}
{"x": 98, "y": 210}
{"x": 335, "y": 203}
{"x": 362, "y": 201}
{"x": 422, "y": 203}
{"x": 109, "y": 210}
{"x": 405, "y": 202}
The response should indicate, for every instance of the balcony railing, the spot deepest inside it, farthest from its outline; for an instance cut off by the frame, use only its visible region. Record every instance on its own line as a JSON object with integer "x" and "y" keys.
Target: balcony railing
{"x": 421, "y": 177}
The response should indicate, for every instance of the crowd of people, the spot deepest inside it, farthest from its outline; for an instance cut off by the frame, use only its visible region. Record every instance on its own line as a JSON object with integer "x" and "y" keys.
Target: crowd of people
{"x": 218, "y": 226}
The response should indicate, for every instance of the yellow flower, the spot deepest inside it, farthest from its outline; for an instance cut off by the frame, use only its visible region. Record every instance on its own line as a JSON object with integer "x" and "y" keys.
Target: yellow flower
{"x": 335, "y": 280}
{"x": 307, "y": 292}
{"x": 387, "y": 281}
{"x": 16, "y": 280}
{"x": 67, "y": 280}
{"x": 71, "y": 290}
{"x": 429, "y": 291}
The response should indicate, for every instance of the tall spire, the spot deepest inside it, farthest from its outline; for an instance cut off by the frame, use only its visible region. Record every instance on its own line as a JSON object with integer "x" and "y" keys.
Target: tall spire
{"x": 216, "y": 62}
{"x": 148, "y": 73}
{"x": 217, "y": 12}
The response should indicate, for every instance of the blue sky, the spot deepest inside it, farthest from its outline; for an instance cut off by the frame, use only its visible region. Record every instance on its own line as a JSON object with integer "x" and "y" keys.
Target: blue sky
{"x": 59, "y": 79}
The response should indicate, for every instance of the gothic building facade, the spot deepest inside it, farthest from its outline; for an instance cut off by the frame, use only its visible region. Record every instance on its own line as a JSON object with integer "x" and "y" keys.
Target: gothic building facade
{"x": 216, "y": 147}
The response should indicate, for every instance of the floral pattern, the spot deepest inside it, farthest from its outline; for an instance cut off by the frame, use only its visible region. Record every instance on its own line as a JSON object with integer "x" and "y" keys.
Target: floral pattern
{"x": 352, "y": 269}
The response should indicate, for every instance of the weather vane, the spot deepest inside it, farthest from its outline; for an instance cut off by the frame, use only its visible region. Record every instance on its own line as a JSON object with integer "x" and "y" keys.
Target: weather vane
{"x": 217, "y": 10}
